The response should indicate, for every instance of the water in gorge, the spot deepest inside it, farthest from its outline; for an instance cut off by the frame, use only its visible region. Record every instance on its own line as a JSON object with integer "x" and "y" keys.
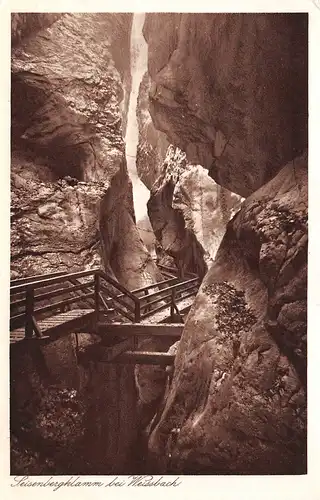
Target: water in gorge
{"x": 139, "y": 56}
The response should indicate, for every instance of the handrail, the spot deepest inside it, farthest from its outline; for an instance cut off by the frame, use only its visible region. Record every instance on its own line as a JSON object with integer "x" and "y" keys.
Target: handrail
{"x": 148, "y": 287}
{"x": 30, "y": 279}
{"x": 173, "y": 287}
{"x": 102, "y": 282}
{"x": 65, "y": 302}
{"x": 117, "y": 285}
{"x": 162, "y": 297}
{"x": 50, "y": 281}
{"x": 54, "y": 293}
{"x": 156, "y": 309}
{"x": 155, "y": 301}
{"x": 142, "y": 289}
{"x": 117, "y": 298}
{"x": 173, "y": 270}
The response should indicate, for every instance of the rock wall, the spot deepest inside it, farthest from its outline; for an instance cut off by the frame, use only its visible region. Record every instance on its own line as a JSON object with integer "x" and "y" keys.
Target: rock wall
{"x": 72, "y": 209}
{"x": 224, "y": 89}
{"x": 71, "y": 194}
{"x": 70, "y": 415}
{"x": 238, "y": 398}
{"x": 153, "y": 144}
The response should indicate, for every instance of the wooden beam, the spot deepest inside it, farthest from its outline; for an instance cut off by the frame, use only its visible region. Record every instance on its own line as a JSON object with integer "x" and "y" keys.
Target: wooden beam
{"x": 138, "y": 329}
{"x": 105, "y": 354}
{"x": 30, "y": 279}
{"x": 49, "y": 281}
{"x": 145, "y": 358}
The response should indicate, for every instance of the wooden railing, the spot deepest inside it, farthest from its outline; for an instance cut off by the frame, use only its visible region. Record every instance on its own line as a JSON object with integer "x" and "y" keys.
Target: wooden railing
{"x": 126, "y": 303}
{"x": 27, "y": 294}
{"x": 96, "y": 288}
{"x": 172, "y": 271}
{"x": 159, "y": 300}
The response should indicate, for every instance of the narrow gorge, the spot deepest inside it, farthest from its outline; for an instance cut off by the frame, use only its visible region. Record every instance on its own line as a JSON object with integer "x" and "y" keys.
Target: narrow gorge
{"x": 164, "y": 147}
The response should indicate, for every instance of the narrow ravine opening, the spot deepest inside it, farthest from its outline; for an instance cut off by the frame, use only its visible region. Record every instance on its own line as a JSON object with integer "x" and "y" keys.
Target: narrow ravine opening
{"x": 141, "y": 194}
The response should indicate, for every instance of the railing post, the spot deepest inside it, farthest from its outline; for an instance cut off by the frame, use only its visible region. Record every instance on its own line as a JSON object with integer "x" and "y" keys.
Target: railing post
{"x": 29, "y": 312}
{"x": 96, "y": 297}
{"x": 147, "y": 309}
{"x": 137, "y": 312}
{"x": 172, "y": 304}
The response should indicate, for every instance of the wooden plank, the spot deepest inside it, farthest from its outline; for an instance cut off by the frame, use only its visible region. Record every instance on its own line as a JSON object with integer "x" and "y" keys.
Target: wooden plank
{"x": 168, "y": 268}
{"x": 18, "y": 303}
{"x": 145, "y": 358}
{"x": 105, "y": 305}
{"x": 36, "y": 327}
{"x": 140, "y": 329}
{"x": 17, "y": 335}
{"x": 60, "y": 324}
{"x": 89, "y": 302}
{"x": 62, "y": 291}
{"x": 169, "y": 275}
{"x": 176, "y": 270}
{"x": 193, "y": 286}
{"x": 64, "y": 323}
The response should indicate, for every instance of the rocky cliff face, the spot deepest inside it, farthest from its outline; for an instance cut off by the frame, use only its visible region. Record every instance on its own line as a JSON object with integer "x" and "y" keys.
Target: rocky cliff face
{"x": 224, "y": 90}
{"x": 72, "y": 209}
{"x": 71, "y": 194}
{"x": 238, "y": 401}
{"x": 153, "y": 143}
{"x": 188, "y": 211}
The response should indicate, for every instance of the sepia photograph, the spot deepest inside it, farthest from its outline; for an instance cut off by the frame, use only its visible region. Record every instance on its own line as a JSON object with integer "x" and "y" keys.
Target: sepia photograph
{"x": 159, "y": 244}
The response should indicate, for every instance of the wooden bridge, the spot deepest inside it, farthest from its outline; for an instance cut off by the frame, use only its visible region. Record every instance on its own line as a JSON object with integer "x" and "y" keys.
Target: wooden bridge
{"x": 46, "y": 307}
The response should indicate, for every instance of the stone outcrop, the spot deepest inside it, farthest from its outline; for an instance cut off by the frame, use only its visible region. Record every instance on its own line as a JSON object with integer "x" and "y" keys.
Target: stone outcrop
{"x": 238, "y": 401}
{"x": 231, "y": 91}
{"x": 189, "y": 212}
{"x": 23, "y": 25}
{"x": 153, "y": 144}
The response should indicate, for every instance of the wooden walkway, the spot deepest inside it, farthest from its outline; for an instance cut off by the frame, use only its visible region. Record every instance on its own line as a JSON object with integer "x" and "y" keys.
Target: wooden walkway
{"x": 57, "y": 325}
{"x": 41, "y": 308}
